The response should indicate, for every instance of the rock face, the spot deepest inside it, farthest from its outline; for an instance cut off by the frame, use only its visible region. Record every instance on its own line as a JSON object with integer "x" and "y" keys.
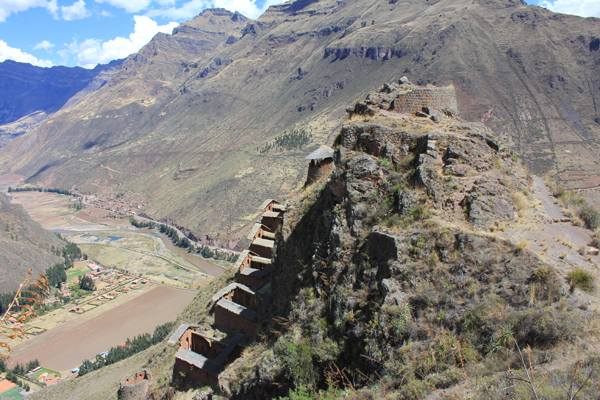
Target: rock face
{"x": 223, "y": 88}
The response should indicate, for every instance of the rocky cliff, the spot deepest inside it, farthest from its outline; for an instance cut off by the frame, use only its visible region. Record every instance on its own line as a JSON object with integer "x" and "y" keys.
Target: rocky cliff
{"x": 396, "y": 277}
{"x": 195, "y": 123}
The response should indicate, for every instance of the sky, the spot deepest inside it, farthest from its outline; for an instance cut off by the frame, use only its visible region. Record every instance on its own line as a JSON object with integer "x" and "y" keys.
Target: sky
{"x": 85, "y": 33}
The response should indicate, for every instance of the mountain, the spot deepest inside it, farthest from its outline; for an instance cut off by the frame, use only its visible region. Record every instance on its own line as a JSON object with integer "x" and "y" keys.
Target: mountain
{"x": 24, "y": 245}
{"x": 29, "y": 93}
{"x": 415, "y": 268}
{"x": 202, "y": 125}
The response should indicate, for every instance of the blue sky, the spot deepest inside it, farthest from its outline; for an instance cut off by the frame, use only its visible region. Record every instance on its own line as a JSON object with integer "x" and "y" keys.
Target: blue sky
{"x": 87, "y": 32}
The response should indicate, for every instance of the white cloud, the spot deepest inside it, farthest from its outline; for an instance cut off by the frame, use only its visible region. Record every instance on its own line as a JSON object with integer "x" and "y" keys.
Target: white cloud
{"x": 128, "y": 5}
{"x": 52, "y": 8}
{"x": 91, "y": 52}
{"x": 248, "y": 8}
{"x": 11, "y": 53}
{"x": 186, "y": 11}
{"x": 583, "y": 8}
{"x": 43, "y": 45}
{"x": 8, "y": 7}
{"x": 75, "y": 11}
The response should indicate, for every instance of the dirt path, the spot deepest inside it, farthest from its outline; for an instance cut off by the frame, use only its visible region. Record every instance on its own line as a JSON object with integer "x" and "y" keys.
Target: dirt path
{"x": 548, "y": 201}
{"x": 558, "y": 243}
{"x": 70, "y": 347}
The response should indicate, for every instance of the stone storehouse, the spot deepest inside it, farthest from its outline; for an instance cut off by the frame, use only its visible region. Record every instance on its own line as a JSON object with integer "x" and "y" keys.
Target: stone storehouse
{"x": 273, "y": 214}
{"x": 321, "y": 164}
{"x": 262, "y": 240}
{"x": 253, "y": 270}
{"x": 201, "y": 357}
{"x": 236, "y": 308}
{"x": 135, "y": 387}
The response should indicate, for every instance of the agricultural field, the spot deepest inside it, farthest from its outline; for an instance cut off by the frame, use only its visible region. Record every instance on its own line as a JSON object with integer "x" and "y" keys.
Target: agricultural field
{"x": 110, "y": 240}
{"x": 141, "y": 254}
{"x": 69, "y": 341}
{"x": 124, "y": 305}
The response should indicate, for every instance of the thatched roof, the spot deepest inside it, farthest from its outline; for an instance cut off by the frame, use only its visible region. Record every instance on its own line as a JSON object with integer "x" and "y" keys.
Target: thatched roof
{"x": 321, "y": 153}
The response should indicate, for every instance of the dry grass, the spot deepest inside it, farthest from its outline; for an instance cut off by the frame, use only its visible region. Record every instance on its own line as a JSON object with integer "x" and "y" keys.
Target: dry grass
{"x": 520, "y": 200}
{"x": 521, "y": 244}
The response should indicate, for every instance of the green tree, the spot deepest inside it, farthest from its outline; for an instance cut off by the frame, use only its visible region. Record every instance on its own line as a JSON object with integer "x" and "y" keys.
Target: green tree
{"x": 87, "y": 283}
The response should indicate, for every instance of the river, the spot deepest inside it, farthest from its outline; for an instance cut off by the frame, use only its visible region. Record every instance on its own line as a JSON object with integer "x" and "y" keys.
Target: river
{"x": 206, "y": 266}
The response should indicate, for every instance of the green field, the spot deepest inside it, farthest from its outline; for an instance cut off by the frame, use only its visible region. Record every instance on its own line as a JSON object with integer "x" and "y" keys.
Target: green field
{"x": 37, "y": 374}
{"x": 12, "y": 394}
{"x": 76, "y": 272}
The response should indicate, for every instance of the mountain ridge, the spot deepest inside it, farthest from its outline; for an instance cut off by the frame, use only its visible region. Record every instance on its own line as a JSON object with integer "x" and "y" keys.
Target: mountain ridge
{"x": 30, "y": 94}
{"x": 203, "y": 99}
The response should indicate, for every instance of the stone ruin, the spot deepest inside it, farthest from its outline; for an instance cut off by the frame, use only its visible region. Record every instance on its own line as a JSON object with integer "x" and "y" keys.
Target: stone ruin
{"x": 135, "y": 387}
{"x": 406, "y": 98}
{"x": 236, "y": 308}
{"x": 254, "y": 270}
{"x": 321, "y": 164}
{"x": 201, "y": 357}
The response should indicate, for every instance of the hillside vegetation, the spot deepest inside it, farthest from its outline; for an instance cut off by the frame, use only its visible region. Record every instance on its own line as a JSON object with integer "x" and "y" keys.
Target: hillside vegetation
{"x": 184, "y": 126}
{"x": 24, "y": 245}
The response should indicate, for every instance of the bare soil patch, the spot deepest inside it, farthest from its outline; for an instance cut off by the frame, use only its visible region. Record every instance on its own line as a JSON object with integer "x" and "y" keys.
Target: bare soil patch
{"x": 142, "y": 314}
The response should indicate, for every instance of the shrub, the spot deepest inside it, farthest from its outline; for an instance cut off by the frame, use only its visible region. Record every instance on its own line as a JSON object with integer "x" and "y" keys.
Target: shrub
{"x": 543, "y": 273}
{"x": 542, "y": 326}
{"x": 299, "y": 359}
{"x": 581, "y": 279}
{"x": 590, "y": 216}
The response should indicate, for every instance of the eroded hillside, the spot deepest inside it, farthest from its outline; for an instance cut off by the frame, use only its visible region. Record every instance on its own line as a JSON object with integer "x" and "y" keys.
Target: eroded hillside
{"x": 183, "y": 123}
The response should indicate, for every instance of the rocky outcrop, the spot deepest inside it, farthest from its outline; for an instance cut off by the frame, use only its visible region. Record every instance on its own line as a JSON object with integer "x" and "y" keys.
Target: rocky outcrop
{"x": 370, "y": 52}
{"x": 392, "y": 258}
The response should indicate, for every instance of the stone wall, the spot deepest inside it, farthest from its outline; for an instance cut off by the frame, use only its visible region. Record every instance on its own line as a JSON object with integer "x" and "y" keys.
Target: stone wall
{"x": 184, "y": 370}
{"x": 135, "y": 387}
{"x": 199, "y": 344}
{"x": 243, "y": 298}
{"x": 414, "y": 100}
{"x": 262, "y": 251}
{"x": 226, "y": 319}
{"x": 271, "y": 222}
{"x": 252, "y": 281}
